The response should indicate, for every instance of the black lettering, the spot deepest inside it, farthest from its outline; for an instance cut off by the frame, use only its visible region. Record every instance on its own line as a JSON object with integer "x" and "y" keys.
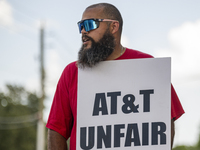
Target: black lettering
{"x": 83, "y": 137}
{"x": 132, "y": 129}
{"x": 113, "y": 96}
{"x": 100, "y": 99}
{"x": 128, "y": 106}
{"x": 158, "y": 128}
{"x": 118, "y": 134}
{"x": 146, "y": 102}
{"x": 145, "y": 133}
{"x": 105, "y": 137}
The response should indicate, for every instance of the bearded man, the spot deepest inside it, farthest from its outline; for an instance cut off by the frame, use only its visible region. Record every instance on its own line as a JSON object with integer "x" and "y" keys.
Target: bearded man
{"x": 101, "y": 28}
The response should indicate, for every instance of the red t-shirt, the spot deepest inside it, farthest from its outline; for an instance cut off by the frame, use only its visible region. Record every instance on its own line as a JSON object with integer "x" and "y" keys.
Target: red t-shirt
{"x": 62, "y": 117}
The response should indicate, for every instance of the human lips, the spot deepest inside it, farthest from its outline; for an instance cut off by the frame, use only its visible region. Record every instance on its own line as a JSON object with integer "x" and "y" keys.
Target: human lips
{"x": 85, "y": 39}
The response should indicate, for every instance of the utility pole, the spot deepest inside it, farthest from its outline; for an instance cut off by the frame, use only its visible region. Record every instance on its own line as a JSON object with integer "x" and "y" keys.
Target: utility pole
{"x": 40, "y": 125}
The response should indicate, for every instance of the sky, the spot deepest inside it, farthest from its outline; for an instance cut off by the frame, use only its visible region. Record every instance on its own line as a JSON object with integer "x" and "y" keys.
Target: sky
{"x": 160, "y": 28}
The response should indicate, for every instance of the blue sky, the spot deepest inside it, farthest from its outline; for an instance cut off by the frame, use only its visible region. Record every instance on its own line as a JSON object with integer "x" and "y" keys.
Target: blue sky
{"x": 160, "y": 28}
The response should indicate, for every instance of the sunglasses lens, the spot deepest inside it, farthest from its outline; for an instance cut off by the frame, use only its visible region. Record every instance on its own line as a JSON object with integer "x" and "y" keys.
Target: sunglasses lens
{"x": 80, "y": 26}
{"x": 88, "y": 25}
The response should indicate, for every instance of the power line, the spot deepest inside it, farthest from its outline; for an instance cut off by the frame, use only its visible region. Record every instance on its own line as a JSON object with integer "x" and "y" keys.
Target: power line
{"x": 18, "y": 26}
{"x": 17, "y": 126}
{"x": 27, "y": 10}
{"x": 19, "y": 119}
{"x": 23, "y": 35}
{"x": 63, "y": 47}
{"x": 10, "y": 15}
{"x": 10, "y": 123}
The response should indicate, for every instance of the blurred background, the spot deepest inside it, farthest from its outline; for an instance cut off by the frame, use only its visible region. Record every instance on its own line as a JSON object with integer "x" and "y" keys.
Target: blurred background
{"x": 39, "y": 38}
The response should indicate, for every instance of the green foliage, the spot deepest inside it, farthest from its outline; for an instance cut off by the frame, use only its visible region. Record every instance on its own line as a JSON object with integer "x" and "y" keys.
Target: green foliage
{"x": 18, "y": 119}
{"x": 183, "y": 147}
{"x": 198, "y": 143}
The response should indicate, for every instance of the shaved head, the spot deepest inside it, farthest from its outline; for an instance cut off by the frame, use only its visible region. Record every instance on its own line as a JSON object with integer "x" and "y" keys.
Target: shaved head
{"x": 109, "y": 12}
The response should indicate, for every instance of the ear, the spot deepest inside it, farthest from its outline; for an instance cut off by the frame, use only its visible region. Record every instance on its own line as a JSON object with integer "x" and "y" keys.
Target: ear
{"x": 114, "y": 27}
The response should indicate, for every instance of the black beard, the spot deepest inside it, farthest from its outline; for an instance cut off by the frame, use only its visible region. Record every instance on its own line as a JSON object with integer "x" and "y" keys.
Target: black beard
{"x": 98, "y": 52}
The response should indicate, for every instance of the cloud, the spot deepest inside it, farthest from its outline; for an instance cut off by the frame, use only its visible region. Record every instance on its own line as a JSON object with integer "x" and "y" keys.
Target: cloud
{"x": 6, "y": 16}
{"x": 32, "y": 84}
{"x": 125, "y": 42}
{"x": 53, "y": 71}
{"x": 184, "y": 50}
{"x": 7, "y": 19}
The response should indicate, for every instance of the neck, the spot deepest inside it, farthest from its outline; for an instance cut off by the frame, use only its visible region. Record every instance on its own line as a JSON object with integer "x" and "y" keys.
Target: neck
{"x": 118, "y": 51}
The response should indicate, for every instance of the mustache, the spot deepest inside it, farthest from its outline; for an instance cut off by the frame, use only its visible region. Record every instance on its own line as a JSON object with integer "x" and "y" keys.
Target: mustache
{"x": 86, "y": 37}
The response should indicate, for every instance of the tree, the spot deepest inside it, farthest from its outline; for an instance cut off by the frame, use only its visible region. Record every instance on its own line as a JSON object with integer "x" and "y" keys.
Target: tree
{"x": 18, "y": 119}
{"x": 198, "y": 143}
{"x": 183, "y": 147}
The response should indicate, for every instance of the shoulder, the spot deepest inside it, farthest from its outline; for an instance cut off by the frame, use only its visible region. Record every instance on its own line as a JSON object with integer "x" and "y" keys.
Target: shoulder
{"x": 70, "y": 68}
{"x": 131, "y": 53}
{"x": 69, "y": 71}
{"x": 68, "y": 75}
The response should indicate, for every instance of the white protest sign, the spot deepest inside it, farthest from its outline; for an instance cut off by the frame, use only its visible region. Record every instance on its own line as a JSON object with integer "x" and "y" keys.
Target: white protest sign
{"x": 125, "y": 104}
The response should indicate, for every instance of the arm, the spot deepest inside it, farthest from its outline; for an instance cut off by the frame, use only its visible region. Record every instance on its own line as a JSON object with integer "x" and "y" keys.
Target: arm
{"x": 56, "y": 141}
{"x": 172, "y": 132}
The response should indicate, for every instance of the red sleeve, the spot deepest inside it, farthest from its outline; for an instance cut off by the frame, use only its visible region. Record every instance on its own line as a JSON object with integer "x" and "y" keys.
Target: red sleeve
{"x": 176, "y": 107}
{"x": 60, "y": 117}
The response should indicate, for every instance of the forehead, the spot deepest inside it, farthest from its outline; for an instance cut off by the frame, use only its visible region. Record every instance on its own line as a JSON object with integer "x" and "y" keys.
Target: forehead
{"x": 96, "y": 12}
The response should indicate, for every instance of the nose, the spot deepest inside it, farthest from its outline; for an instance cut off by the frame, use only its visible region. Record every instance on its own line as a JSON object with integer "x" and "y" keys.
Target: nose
{"x": 83, "y": 31}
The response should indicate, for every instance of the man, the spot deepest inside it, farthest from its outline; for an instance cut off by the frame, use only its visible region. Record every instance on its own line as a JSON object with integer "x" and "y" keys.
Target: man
{"x": 101, "y": 28}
